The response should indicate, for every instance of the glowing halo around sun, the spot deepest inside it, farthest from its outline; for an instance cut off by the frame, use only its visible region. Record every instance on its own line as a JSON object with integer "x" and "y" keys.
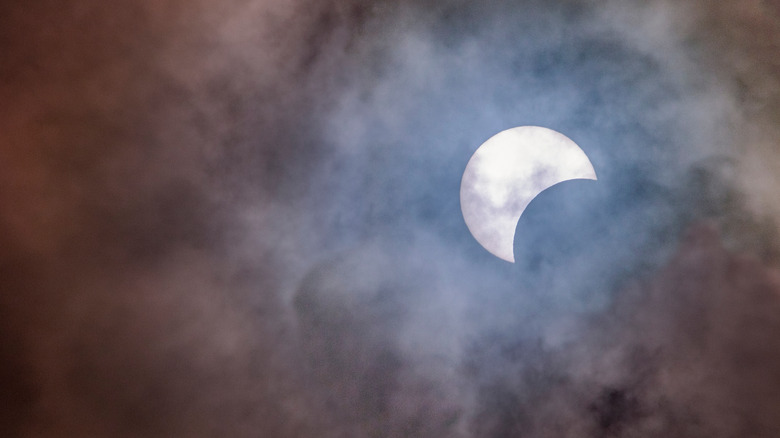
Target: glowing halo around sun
{"x": 506, "y": 173}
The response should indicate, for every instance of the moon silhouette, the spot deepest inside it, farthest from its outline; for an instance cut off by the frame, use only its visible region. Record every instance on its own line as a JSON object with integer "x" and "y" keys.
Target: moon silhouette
{"x": 507, "y": 172}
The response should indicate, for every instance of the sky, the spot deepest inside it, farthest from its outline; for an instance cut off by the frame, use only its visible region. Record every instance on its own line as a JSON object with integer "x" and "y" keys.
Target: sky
{"x": 242, "y": 218}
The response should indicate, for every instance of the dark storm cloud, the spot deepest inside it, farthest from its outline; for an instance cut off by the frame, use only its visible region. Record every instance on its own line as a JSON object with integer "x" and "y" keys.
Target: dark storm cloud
{"x": 242, "y": 219}
{"x": 681, "y": 355}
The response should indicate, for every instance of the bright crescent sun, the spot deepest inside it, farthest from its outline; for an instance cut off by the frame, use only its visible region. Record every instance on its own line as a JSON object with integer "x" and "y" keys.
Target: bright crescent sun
{"x": 506, "y": 173}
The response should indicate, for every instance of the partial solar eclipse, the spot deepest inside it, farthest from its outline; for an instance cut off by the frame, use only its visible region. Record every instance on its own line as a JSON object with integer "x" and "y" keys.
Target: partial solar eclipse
{"x": 506, "y": 173}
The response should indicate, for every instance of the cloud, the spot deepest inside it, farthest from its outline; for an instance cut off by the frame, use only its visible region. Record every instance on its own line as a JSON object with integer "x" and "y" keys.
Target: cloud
{"x": 243, "y": 219}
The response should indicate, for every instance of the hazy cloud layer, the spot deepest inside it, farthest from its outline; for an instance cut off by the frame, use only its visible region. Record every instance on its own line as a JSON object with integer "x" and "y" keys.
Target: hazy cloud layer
{"x": 242, "y": 219}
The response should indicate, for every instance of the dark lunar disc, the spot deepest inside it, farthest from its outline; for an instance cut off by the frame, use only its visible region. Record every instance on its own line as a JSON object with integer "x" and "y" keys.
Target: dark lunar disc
{"x": 565, "y": 221}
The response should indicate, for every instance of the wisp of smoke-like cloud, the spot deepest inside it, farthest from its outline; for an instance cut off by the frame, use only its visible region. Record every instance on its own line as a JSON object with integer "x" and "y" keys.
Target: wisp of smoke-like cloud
{"x": 242, "y": 219}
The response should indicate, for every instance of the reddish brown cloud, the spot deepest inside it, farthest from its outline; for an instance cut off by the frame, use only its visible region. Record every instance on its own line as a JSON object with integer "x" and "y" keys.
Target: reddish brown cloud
{"x": 241, "y": 219}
